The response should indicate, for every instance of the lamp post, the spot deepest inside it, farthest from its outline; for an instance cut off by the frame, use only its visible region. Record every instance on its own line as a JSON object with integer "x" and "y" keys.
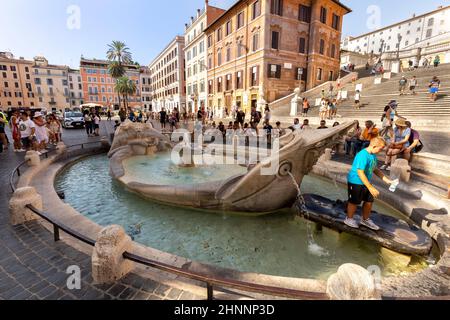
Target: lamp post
{"x": 399, "y": 37}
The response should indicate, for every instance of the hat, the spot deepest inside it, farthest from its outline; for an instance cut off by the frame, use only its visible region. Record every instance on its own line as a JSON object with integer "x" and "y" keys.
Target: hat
{"x": 393, "y": 103}
{"x": 37, "y": 115}
{"x": 400, "y": 123}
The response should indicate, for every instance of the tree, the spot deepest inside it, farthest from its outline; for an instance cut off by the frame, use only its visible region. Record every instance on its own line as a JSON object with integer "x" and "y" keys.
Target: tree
{"x": 118, "y": 54}
{"x": 125, "y": 87}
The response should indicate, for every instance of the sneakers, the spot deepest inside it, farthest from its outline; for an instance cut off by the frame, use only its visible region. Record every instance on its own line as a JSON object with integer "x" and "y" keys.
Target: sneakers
{"x": 351, "y": 223}
{"x": 388, "y": 168}
{"x": 383, "y": 167}
{"x": 370, "y": 224}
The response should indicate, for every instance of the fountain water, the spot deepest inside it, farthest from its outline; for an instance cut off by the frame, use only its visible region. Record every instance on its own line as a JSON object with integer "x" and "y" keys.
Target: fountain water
{"x": 313, "y": 247}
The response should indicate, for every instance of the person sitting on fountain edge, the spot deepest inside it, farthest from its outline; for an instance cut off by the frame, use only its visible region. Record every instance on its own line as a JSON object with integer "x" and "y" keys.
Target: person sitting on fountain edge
{"x": 359, "y": 187}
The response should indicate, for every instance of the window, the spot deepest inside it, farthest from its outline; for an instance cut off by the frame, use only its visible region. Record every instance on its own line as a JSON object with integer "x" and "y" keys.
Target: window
{"x": 15, "y": 75}
{"x": 239, "y": 82}
{"x": 429, "y": 33}
{"x": 408, "y": 32}
{"x": 302, "y": 45}
{"x": 322, "y": 46}
{"x": 201, "y": 47}
{"x": 333, "y": 51}
{"x": 228, "y": 54}
{"x": 323, "y": 15}
{"x": 254, "y": 79}
{"x": 336, "y": 21}
{"x": 202, "y": 86}
{"x": 209, "y": 62}
{"x": 276, "y": 7}
{"x": 319, "y": 74}
{"x": 229, "y": 28}
{"x": 406, "y": 43}
{"x": 219, "y": 84}
{"x": 418, "y": 29}
{"x": 256, "y": 9}
{"x": 304, "y": 13}
{"x": 219, "y": 57}
{"x": 50, "y": 82}
{"x": 431, "y": 22}
{"x": 275, "y": 40}
{"x": 301, "y": 74}
{"x": 28, "y": 76}
{"x": 239, "y": 48}
{"x": 210, "y": 86}
{"x": 274, "y": 71}
{"x": 255, "y": 42}
{"x": 64, "y": 82}
{"x": 27, "y": 69}
{"x": 4, "y": 74}
{"x": 6, "y": 85}
{"x": 16, "y": 84}
{"x": 240, "y": 20}
{"x": 219, "y": 34}
{"x": 13, "y": 68}
{"x": 228, "y": 83}
{"x": 209, "y": 41}
{"x": 330, "y": 76}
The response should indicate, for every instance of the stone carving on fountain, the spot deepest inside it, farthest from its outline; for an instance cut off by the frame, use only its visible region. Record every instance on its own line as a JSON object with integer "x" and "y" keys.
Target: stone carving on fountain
{"x": 133, "y": 139}
{"x": 254, "y": 192}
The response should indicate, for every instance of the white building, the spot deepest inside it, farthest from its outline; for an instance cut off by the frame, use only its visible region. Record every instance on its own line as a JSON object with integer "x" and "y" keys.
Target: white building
{"x": 196, "y": 57}
{"x": 146, "y": 89}
{"x": 75, "y": 88}
{"x": 168, "y": 77}
{"x": 417, "y": 32}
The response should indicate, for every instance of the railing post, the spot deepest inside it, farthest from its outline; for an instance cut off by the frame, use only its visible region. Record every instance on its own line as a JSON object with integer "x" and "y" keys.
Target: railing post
{"x": 18, "y": 172}
{"x": 210, "y": 291}
{"x": 56, "y": 233}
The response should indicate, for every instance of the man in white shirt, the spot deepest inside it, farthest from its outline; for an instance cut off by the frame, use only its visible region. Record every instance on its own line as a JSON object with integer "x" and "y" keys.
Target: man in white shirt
{"x": 27, "y": 132}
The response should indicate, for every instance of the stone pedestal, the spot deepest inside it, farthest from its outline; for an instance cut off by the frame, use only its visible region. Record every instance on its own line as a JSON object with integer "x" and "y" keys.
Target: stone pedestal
{"x": 33, "y": 158}
{"x": 108, "y": 265}
{"x": 401, "y": 170}
{"x": 326, "y": 156}
{"x": 61, "y": 148}
{"x": 294, "y": 108}
{"x": 18, "y": 212}
{"x": 352, "y": 282}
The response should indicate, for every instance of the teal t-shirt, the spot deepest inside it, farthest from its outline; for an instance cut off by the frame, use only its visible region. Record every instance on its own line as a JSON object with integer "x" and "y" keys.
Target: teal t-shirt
{"x": 363, "y": 161}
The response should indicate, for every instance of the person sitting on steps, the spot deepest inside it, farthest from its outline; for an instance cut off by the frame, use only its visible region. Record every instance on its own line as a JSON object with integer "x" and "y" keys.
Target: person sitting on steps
{"x": 360, "y": 188}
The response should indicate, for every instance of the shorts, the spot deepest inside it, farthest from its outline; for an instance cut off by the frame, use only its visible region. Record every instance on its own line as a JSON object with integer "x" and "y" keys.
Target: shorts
{"x": 27, "y": 143}
{"x": 356, "y": 101}
{"x": 359, "y": 193}
{"x": 2, "y": 129}
{"x": 96, "y": 126}
{"x": 434, "y": 90}
{"x": 411, "y": 88}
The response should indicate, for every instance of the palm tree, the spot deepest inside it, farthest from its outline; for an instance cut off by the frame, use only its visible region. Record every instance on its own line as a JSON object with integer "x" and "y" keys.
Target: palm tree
{"x": 118, "y": 51}
{"x": 118, "y": 54}
{"x": 125, "y": 87}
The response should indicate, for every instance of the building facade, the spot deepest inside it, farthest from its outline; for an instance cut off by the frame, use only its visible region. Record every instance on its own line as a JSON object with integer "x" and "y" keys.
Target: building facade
{"x": 99, "y": 87}
{"x": 17, "y": 87}
{"x": 168, "y": 77}
{"x": 146, "y": 89}
{"x": 52, "y": 85}
{"x": 261, "y": 50}
{"x": 75, "y": 88}
{"x": 417, "y": 32}
{"x": 196, "y": 55}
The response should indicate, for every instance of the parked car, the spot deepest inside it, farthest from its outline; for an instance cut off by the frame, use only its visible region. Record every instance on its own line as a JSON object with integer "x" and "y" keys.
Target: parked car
{"x": 73, "y": 120}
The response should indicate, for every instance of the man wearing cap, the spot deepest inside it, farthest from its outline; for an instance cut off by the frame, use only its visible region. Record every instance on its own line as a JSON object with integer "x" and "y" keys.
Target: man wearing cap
{"x": 401, "y": 142}
{"x": 389, "y": 114}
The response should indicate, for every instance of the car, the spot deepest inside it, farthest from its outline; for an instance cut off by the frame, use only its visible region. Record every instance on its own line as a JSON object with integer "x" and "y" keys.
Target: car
{"x": 73, "y": 120}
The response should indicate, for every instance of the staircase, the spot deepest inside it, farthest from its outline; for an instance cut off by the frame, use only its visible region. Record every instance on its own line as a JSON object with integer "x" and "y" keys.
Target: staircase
{"x": 418, "y": 108}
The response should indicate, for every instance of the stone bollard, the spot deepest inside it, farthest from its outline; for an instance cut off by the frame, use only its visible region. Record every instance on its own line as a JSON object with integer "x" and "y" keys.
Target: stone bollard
{"x": 105, "y": 143}
{"x": 18, "y": 212}
{"x": 352, "y": 282}
{"x": 61, "y": 148}
{"x": 108, "y": 265}
{"x": 33, "y": 158}
{"x": 401, "y": 169}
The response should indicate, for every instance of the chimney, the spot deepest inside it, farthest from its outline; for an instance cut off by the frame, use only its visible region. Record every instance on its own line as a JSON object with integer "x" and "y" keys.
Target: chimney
{"x": 192, "y": 19}
{"x": 198, "y": 13}
{"x": 186, "y": 26}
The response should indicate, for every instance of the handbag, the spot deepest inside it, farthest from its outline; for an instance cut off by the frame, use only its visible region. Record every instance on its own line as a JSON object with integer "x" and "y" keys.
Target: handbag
{"x": 419, "y": 147}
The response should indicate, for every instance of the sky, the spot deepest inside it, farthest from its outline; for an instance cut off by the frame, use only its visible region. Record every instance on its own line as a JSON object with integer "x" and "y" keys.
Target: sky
{"x": 63, "y": 30}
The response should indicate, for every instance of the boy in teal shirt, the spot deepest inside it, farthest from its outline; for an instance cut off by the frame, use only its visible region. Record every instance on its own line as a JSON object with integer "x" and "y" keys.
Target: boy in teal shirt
{"x": 359, "y": 187}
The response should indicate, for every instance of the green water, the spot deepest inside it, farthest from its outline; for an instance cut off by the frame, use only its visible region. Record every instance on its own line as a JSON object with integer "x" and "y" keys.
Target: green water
{"x": 159, "y": 170}
{"x": 276, "y": 244}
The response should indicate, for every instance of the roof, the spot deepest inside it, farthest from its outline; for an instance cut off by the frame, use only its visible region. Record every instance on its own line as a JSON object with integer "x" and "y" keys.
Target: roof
{"x": 399, "y": 23}
{"x": 105, "y": 63}
{"x": 239, "y": 1}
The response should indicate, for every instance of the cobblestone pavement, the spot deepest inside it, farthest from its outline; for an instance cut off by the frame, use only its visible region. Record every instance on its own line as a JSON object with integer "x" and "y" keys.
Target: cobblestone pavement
{"x": 33, "y": 266}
